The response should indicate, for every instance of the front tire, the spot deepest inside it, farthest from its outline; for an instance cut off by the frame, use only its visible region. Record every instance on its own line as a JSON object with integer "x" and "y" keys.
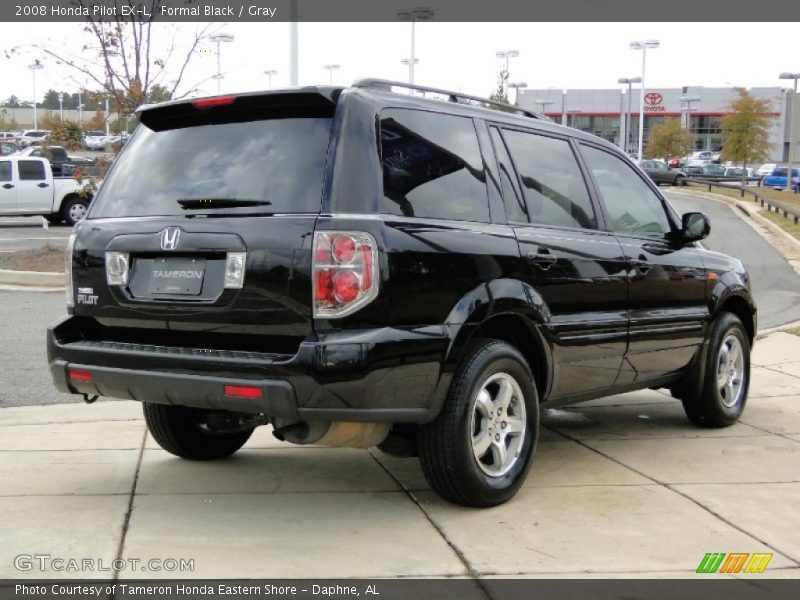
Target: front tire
{"x": 680, "y": 180}
{"x": 178, "y": 431}
{"x": 480, "y": 447}
{"x": 721, "y": 397}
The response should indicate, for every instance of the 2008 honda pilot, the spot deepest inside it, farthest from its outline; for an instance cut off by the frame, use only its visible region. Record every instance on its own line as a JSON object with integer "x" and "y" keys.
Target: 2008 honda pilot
{"x": 355, "y": 266}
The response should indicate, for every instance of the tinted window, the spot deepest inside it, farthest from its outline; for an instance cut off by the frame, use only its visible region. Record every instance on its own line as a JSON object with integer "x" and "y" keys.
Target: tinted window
{"x": 31, "y": 169}
{"x": 632, "y": 206}
{"x": 278, "y": 163}
{"x": 552, "y": 182}
{"x": 6, "y": 149}
{"x": 515, "y": 206}
{"x": 432, "y": 166}
{"x": 5, "y": 171}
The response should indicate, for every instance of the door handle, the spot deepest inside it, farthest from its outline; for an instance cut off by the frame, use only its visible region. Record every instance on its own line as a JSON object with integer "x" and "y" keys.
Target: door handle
{"x": 43, "y": 185}
{"x": 543, "y": 259}
{"x": 8, "y": 186}
{"x": 642, "y": 266}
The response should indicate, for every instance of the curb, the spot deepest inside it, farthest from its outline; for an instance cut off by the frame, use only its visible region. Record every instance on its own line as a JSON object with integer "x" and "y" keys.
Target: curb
{"x": 32, "y": 278}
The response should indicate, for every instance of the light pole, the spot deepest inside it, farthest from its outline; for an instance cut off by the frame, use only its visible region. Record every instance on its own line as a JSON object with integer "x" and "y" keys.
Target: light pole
{"x": 220, "y": 38}
{"x": 521, "y": 85}
{"x": 790, "y": 113}
{"x": 80, "y": 108}
{"x": 507, "y": 54}
{"x": 61, "y": 105}
{"x": 627, "y": 130}
{"x": 269, "y": 73}
{"x": 407, "y": 62}
{"x": 35, "y": 66}
{"x": 331, "y": 69}
{"x": 419, "y": 13}
{"x": 643, "y": 46}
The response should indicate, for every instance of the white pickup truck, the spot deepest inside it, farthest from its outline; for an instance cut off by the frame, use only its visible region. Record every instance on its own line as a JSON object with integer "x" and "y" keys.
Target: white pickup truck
{"x": 27, "y": 187}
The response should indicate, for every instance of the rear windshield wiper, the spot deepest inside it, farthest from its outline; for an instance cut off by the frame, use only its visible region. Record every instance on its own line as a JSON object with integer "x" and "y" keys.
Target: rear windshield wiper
{"x": 194, "y": 203}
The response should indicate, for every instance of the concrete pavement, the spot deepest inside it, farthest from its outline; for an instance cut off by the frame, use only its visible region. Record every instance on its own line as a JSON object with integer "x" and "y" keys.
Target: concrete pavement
{"x": 621, "y": 487}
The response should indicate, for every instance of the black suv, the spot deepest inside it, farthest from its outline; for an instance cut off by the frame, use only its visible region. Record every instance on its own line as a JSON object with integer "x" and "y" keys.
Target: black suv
{"x": 362, "y": 267}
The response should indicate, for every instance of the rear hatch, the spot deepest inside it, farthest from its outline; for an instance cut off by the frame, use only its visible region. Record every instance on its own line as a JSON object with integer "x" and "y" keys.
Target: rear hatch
{"x": 203, "y": 190}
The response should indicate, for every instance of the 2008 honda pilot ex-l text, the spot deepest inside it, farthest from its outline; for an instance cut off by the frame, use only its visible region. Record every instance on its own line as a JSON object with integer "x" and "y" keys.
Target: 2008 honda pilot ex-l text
{"x": 360, "y": 267}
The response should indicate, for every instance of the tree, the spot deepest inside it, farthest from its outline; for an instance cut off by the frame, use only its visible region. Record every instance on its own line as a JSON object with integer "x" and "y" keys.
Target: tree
{"x": 746, "y": 130}
{"x": 67, "y": 134}
{"x": 500, "y": 94}
{"x": 50, "y": 100}
{"x": 120, "y": 60}
{"x": 668, "y": 139}
{"x": 12, "y": 102}
{"x": 158, "y": 93}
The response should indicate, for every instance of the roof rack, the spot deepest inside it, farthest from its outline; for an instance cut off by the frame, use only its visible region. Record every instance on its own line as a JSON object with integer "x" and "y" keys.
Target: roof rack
{"x": 457, "y": 97}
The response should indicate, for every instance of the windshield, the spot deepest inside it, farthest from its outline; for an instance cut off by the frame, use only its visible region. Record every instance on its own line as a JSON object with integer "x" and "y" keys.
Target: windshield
{"x": 276, "y": 164}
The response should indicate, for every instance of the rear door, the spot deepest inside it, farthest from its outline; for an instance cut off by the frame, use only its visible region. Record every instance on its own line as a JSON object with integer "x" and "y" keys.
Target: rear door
{"x": 35, "y": 186}
{"x": 667, "y": 298}
{"x": 8, "y": 190}
{"x": 572, "y": 267}
{"x": 210, "y": 212}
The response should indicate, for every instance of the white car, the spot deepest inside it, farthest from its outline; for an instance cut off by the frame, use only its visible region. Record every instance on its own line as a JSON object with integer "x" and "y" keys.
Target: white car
{"x": 765, "y": 169}
{"x": 30, "y": 137}
{"x": 95, "y": 140}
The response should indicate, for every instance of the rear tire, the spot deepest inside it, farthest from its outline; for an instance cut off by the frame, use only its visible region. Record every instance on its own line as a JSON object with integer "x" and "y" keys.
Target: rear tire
{"x": 721, "y": 397}
{"x": 480, "y": 447}
{"x": 177, "y": 431}
{"x": 74, "y": 210}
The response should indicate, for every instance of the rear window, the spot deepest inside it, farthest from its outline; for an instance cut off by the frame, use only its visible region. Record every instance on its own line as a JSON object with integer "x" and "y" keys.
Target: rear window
{"x": 432, "y": 166}
{"x": 182, "y": 164}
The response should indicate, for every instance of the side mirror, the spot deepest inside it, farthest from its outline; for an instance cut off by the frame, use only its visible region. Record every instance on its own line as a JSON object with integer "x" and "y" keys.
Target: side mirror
{"x": 694, "y": 226}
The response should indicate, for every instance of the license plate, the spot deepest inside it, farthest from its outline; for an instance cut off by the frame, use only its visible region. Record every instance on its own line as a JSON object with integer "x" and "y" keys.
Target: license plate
{"x": 177, "y": 276}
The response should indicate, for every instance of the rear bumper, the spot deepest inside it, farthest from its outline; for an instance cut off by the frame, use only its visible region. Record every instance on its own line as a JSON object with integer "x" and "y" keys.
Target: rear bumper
{"x": 376, "y": 375}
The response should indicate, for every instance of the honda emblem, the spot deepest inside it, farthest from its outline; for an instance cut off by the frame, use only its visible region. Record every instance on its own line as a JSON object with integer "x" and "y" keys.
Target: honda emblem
{"x": 170, "y": 237}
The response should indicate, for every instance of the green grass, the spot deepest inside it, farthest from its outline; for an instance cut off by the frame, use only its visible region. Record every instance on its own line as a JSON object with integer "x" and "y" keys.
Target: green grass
{"x": 786, "y": 224}
{"x": 786, "y": 198}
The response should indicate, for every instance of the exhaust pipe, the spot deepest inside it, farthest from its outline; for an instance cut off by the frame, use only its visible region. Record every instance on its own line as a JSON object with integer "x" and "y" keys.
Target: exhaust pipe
{"x": 338, "y": 434}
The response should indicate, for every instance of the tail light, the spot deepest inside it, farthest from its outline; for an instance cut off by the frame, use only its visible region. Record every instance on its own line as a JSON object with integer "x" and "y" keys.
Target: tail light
{"x": 345, "y": 271}
{"x": 68, "y": 291}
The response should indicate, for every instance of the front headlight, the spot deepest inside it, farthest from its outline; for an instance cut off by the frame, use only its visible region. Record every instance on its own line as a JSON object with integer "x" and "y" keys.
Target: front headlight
{"x": 68, "y": 271}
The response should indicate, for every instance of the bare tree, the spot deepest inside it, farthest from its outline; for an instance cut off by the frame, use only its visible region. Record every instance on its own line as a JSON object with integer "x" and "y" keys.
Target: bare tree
{"x": 121, "y": 59}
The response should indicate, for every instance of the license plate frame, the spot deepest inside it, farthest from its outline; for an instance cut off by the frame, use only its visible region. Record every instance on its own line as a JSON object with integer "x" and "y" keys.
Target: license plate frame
{"x": 181, "y": 276}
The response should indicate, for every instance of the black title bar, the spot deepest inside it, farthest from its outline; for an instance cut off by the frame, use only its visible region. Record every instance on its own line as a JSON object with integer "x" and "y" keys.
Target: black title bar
{"x": 711, "y": 11}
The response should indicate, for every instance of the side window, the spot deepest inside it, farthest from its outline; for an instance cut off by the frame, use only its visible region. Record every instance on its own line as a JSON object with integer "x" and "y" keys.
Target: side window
{"x": 552, "y": 181}
{"x": 632, "y": 206}
{"x": 5, "y": 170}
{"x": 514, "y": 204}
{"x": 31, "y": 170}
{"x": 432, "y": 166}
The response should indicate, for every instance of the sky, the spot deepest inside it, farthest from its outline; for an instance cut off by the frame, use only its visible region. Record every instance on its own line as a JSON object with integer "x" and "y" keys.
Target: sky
{"x": 459, "y": 56}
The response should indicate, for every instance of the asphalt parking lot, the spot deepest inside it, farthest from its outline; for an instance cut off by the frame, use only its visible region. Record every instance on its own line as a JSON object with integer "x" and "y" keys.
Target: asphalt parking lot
{"x": 621, "y": 487}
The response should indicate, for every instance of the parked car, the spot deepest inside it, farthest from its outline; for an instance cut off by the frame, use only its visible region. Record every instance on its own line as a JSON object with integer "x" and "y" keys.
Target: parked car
{"x": 386, "y": 269}
{"x": 32, "y": 137}
{"x": 777, "y": 179}
{"x": 95, "y": 140}
{"x": 692, "y": 171}
{"x": 8, "y": 136}
{"x": 700, "y": 158}
{"x": 675, "y": 162}
{"x": 714, "y": 170}
{"x": 57, "y": 155}
{"x": 765, "y": 169}
{"x": 27, "y": 187}
{"x": 660, "y": 173}
{"x": 7, "y": 148}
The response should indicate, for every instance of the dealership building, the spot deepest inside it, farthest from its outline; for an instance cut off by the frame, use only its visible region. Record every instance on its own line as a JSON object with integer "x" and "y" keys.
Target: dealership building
{"x": 608, "y": 113}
